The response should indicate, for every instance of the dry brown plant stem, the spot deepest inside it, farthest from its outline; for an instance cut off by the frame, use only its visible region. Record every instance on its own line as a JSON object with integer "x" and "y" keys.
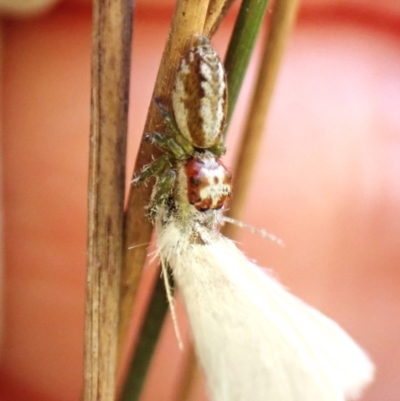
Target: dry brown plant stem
{"x": 282, "y": 21}
{"x": 215, "y": 14}
{"x": 188, "y": 21}
{"x": 111, "y": 45}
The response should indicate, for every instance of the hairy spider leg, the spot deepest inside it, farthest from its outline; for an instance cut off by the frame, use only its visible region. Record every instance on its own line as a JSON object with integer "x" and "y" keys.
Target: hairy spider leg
{"x": 165, "y": 185}
{"x": 153, "y": 169}
{"x": 219, "y": 149}
{"x": 167, "y": 144}
{"x": 175, "y": 147}
{"x": 161, "y": 192}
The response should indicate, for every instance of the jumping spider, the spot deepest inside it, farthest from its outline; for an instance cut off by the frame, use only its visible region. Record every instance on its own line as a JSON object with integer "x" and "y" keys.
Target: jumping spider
{"x": 190, "y": 168}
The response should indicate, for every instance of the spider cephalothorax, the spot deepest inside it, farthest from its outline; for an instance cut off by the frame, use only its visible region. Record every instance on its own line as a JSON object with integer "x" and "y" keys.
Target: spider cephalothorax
{"x": 193, "y": 142}
{"x": 208, "y": 182}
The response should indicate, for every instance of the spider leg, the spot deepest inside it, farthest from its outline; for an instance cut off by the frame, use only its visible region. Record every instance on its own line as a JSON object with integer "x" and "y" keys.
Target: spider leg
{"x": 165, "y": 185}
{"x": 153, "y": 169}
{"x": 167, "y": 144}
{"x": 162, "y": 190}
{"x": 171, "y": 125}
{"x": 218, "y": 149}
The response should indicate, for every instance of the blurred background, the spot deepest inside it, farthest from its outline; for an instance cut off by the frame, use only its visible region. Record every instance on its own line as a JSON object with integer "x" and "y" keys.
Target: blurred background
{"x": 327, "y": 182}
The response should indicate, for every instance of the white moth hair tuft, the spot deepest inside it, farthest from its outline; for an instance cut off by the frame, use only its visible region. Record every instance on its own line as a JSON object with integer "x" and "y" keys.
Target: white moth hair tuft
{"x": 254, "y": 339}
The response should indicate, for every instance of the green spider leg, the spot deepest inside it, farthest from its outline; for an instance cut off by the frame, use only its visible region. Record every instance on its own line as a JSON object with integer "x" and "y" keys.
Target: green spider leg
{"x": 167, "y": 144}
{"x": 153, "y": 169}
{"x": 162, "y": 191}
{"x": 219, "y": 149}
{"x": 176, "y": 149}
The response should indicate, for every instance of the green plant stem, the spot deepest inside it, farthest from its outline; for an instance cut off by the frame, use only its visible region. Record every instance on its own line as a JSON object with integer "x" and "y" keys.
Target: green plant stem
{"x": 247, "y": 27}
{"x": 148, "y": 338}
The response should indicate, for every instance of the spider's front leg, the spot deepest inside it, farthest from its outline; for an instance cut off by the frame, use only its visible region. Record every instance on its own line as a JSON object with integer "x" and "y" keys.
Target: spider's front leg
{"x": 163, "y": 189}
{"x": 162, "y": 168}
{"x": 168, "y": 145}
{"x": 173, "y": 153}
{"x": 153, "y": 169}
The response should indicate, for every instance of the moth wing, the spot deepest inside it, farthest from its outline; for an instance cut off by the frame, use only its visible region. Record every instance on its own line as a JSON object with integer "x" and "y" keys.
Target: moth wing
{"x": 254, "y": 339}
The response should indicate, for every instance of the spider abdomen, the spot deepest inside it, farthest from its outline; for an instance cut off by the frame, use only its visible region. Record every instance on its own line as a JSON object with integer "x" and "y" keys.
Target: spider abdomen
{"x": 199, "y": 96}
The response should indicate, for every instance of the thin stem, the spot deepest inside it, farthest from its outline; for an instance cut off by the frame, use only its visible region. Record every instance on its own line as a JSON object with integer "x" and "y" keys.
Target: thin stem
{"x": 215, "y": 14}
{"x": 110, "y": 82}
{"x": 248, "y": 24}
{"x": 148, "y": 338}
{"x": 282, "y": 22}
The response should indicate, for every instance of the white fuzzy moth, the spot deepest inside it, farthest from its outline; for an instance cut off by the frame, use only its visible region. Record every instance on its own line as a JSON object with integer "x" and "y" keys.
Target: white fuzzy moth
{"x": 255, "y": 341}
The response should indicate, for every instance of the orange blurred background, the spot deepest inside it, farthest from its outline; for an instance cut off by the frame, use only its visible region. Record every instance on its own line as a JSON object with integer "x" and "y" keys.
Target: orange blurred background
{"x": 327, "y": 182}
